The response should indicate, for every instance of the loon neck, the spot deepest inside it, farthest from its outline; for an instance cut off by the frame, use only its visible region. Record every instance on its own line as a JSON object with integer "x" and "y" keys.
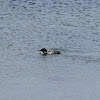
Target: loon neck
{"x": 44, "y": 53}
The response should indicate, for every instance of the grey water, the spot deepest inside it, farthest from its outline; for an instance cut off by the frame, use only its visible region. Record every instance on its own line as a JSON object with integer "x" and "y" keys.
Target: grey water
{"x": 70, "y": 26}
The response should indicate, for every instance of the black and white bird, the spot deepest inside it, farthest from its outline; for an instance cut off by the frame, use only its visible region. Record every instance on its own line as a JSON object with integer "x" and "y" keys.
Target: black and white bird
{"x": 49, "y": 52}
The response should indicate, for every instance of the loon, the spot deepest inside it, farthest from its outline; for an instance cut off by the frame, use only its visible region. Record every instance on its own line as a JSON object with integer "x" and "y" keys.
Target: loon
{"x": 49, "y": 52}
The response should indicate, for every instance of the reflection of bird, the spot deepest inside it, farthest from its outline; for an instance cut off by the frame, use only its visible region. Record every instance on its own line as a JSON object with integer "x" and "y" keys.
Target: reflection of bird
{"x": 45, "y": 52}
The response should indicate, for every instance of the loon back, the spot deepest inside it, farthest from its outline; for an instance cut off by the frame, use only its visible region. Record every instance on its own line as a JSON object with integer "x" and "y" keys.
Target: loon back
{"x": 53, "y": 52}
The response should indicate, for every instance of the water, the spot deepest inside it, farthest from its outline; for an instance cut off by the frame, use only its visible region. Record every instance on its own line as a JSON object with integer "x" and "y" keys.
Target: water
{"x": 70, "y": 26}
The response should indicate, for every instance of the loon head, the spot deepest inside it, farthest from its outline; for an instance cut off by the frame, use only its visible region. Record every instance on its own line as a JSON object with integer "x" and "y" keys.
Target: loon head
{"x": 44, "y": 51}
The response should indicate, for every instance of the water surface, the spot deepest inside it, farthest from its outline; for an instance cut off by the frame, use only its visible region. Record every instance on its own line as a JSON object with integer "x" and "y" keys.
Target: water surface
{"x": 70, "y": 26}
